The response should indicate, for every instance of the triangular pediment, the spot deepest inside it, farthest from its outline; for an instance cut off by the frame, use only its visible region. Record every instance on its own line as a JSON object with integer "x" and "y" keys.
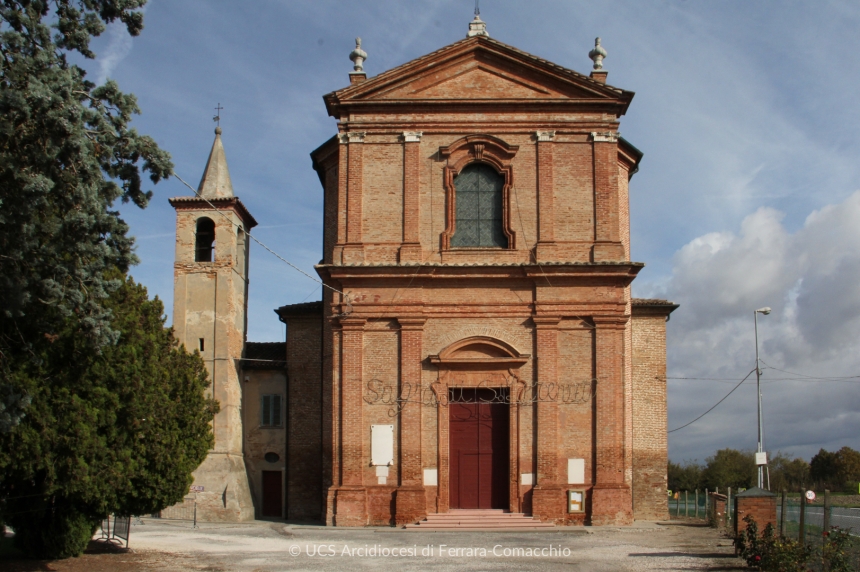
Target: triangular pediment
{"x": 478, "y": 69}
{"x": 480, "y": 80}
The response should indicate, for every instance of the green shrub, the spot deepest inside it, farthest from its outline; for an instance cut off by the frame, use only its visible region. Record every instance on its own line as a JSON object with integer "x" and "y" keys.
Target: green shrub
{"x": 835, "y": 553}
{"x": 769, "y": 552}
{"x": 58, "y": 531}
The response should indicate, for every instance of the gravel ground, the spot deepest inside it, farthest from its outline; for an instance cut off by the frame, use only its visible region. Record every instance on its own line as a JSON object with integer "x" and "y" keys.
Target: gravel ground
{"x": 268, "y": 546}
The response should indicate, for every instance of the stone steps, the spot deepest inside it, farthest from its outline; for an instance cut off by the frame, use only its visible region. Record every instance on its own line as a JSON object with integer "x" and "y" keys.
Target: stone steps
{"x": 479, "y": 520}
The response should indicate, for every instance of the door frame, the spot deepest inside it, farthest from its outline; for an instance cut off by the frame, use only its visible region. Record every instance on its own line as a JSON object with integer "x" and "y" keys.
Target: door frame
{"x": 474, "y": 362}
{"x": 503, "y": 455}
{"x": 475, "y": 379}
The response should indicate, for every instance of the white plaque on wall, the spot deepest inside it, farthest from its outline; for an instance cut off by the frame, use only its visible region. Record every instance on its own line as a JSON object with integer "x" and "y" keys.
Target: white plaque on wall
{"x": 527, "y": 478}
{"x": 382, "y": 445}
{"x": 575, "y": 471}
{"x": 431, "y": 477}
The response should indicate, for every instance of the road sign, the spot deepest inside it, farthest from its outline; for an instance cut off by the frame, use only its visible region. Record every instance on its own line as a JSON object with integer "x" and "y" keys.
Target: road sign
{"x": 810, "y": 496}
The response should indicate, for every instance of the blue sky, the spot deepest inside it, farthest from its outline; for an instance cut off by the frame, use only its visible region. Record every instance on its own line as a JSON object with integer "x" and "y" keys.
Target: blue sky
{"x": 747, "y": 196}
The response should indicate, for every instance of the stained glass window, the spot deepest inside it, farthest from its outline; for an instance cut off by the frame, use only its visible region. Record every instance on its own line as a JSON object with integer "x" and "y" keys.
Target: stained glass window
{"x": 478, "y": 202}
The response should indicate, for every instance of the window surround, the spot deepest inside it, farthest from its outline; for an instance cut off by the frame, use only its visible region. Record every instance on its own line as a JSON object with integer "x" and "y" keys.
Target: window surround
{"x": 273, "y": 398}
{"x": 478, "y": 149}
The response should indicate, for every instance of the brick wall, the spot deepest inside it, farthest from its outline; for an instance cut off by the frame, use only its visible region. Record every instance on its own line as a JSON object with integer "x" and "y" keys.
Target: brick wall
{"x": 760, "y": 508}
{"x": 305, "y": 497}
{"x": 649, "y": 419}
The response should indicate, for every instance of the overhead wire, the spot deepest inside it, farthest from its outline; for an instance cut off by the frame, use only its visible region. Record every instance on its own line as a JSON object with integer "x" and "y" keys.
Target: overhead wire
{"x": 715, "y": 405}
{"x": 255, "y": 239}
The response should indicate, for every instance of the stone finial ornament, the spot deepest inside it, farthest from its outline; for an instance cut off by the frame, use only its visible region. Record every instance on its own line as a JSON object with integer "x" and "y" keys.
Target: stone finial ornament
{"x": 358, "y": 56}
{"x": 597, "y": 54}
{"x": 477, "y": 27}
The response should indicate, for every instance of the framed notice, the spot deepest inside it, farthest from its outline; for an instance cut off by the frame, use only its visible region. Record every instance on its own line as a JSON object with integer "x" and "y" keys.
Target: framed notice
{"x": 381, "y": 445}
{"x": 576, "y": 501}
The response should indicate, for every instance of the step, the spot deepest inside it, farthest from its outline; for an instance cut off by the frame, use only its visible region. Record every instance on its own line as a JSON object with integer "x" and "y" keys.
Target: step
{"x": 465, "y": 519}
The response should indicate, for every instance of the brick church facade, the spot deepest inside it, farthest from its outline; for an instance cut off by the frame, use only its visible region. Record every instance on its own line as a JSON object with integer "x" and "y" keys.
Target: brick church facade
{"x": 476, "y": 345}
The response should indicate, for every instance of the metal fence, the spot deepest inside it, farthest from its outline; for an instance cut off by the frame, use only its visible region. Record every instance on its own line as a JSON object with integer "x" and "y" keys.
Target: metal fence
{"x": 690, "y": 504}
{"x": 186, "y": 510}
{"x": 119, "y": 529}
{"x": 813, "y": 521}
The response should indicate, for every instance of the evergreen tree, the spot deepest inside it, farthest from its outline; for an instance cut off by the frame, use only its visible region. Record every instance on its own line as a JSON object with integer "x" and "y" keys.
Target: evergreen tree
{"x": 118, "y": 431}
{"x": 67, "y": 154}
{"x": 100, "y": 411}
{"x": 836, "y": 471}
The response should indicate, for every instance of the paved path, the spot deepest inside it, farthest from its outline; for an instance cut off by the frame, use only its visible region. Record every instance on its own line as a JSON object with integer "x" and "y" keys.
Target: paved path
{"x": 265, "y": 546}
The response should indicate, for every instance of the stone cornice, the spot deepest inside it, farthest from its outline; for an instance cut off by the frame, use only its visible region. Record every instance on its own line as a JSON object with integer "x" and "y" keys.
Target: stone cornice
{"x": 231, "y": 203}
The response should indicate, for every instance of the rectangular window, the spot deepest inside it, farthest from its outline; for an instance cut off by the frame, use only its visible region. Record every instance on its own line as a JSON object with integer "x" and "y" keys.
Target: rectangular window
{"x": 270, "y": 411}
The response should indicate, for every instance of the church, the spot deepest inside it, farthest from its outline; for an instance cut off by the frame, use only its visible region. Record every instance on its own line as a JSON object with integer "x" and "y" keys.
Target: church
{"x": 476, "y": 346}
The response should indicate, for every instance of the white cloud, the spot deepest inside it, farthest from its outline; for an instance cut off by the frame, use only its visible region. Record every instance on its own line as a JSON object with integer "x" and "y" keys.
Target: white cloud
{"x": 810, "y": 278}
{"x": 118, "y": 47}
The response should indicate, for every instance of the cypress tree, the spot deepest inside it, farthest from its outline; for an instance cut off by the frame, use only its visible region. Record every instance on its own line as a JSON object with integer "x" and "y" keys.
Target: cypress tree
{"x": 118, "y": 431}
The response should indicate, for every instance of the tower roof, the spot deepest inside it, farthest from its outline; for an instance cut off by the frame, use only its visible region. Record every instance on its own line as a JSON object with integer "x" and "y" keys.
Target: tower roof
{"x": 216, "y": 183}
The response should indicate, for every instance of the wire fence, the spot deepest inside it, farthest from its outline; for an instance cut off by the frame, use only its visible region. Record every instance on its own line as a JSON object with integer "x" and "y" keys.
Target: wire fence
{"x": 689, "y": 504}
{"x": 814, "y": 519}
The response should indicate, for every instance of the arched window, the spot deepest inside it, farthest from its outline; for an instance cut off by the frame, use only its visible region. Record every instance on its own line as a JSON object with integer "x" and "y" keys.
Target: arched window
{"x": 479, "y": 208}
{"x": 205, "y": 240}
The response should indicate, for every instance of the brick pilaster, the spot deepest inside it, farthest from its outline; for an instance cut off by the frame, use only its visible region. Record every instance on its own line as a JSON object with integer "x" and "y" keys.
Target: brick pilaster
{"x": 410, "y": 250}
{"x": 411, "y": 503}
{"x": 547, "y": 496}
{"x": 611, "y": 497}
{"x": 351, "y": 496}
{"x": 353, "y": 251}
{"x": 546, "y": 190}
{"x": 342, "y": 184}
{"x": 607, "y": 228}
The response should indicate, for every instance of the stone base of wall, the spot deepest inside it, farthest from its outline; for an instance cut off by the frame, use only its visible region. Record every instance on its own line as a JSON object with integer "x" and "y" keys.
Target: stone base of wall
{"x": 226, "y": 495}
{"x": 349, "y": 506}
{"x": 549, "y": 504}
{"x": 611, "y": 505}
{"x": 410, "y": 505}
{"x": 380, "y": 505}
{"x": 650, "y": 501}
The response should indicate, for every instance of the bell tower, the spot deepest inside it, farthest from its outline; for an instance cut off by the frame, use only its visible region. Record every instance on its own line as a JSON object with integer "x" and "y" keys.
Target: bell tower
{"x": 210, "y": 299}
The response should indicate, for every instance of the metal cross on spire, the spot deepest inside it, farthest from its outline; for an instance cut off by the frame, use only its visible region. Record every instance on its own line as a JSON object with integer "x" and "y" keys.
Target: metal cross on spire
{"x": 477, "y": 8}
{"x": 217, "y": 118}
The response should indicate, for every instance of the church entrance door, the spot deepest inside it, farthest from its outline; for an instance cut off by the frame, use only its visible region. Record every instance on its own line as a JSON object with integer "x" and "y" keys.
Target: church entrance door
{"x": 479, "y": 454}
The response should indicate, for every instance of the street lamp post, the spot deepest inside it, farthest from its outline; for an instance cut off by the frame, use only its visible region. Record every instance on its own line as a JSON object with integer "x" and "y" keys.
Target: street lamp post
{"x": 760, "y": 458}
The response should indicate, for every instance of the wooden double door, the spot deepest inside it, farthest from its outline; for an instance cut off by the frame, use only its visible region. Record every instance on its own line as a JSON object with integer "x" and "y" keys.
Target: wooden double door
{"x": 479, "y": 448}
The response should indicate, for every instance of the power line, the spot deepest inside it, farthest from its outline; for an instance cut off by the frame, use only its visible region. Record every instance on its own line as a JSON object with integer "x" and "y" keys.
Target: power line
{"x": 278, "y": 256}
{"x": 801, "y": 375}
{"x": 715, "y": 405}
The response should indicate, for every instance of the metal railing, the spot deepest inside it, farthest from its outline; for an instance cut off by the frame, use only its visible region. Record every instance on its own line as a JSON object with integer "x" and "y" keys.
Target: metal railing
{"x": 186, "y": 510}
{"x": 120, "y": 529}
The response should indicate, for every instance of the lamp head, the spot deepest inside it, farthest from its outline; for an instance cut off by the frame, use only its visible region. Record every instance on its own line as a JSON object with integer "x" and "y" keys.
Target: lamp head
{"x": 765, "y": 310}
